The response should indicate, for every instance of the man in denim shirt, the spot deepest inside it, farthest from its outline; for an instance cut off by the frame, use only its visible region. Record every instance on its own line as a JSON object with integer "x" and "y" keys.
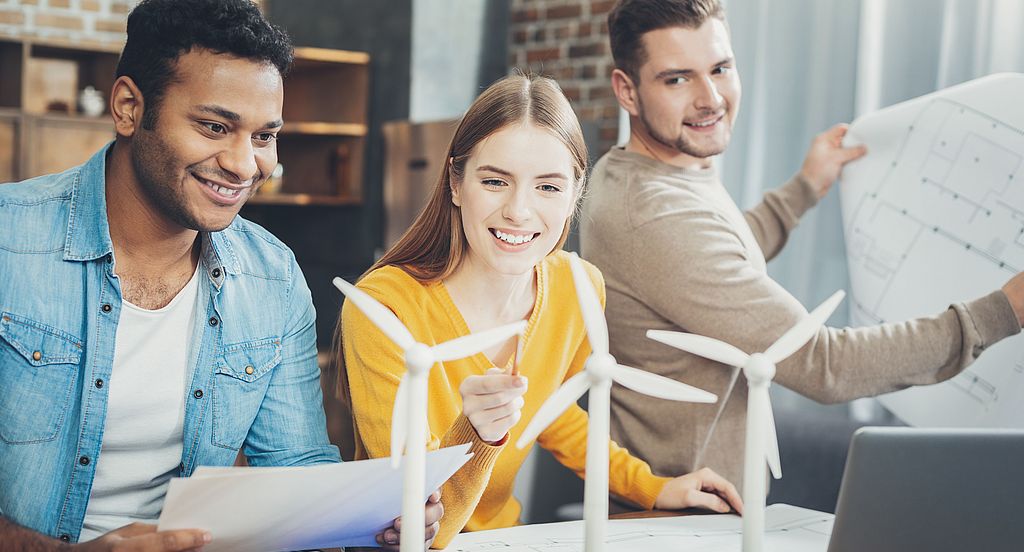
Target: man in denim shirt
{"x": 145, "y": 329}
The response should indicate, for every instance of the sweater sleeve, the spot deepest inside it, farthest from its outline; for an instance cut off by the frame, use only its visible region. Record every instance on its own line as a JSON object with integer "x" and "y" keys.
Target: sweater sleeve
{"x": 699, "y": 278}
{"x": 374, "y": 367}
{"x": 566, "y": 439}
{"x": 777, "y": 215}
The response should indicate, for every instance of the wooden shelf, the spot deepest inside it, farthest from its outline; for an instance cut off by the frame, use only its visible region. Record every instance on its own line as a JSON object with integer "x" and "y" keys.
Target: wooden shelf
{"x": 324, "y": 129}
{"x": 301, "y": 200}
{"x": 331, "y": 56}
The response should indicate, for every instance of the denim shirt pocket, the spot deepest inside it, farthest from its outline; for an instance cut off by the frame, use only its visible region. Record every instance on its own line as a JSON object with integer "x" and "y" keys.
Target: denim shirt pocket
{"x": 38, "y": 368}
{"x": 239, "y": 387}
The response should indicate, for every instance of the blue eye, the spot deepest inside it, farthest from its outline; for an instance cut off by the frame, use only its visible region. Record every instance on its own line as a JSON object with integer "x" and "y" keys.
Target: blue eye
{"x": 492, "y": 182}
{"x": 550, "y": 188}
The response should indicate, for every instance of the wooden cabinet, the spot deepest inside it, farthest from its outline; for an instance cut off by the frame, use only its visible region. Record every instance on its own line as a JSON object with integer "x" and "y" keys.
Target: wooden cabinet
{"x": 321, "y": 147}
{"x": 41, "y": 128}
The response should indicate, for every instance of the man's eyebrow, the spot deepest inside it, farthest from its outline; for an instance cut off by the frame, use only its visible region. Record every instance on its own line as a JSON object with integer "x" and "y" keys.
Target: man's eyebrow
{"x": 673, "y": 73}
{"x": 220, "y": 112}
{"x": 548, "y": 176}
{"x": 667, "y": 73}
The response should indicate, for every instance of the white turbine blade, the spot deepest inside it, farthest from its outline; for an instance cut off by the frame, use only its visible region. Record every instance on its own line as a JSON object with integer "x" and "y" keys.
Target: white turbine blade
{"x": 380, "y": 315}
{"x": 771, "y": 439}
{"x": 661, "y": 387}
{"x": 804, "y": 330}
{"x": 558, "y": 402}
{"x": 399, "y": 417}
{"x": 706, "y": 347}
{"x": 471, "y": 344}
{"x": 590, "y": 306}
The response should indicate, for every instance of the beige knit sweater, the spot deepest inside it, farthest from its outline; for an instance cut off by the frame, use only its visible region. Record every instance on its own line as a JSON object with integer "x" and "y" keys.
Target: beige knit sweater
{"x": 677, "y": 254}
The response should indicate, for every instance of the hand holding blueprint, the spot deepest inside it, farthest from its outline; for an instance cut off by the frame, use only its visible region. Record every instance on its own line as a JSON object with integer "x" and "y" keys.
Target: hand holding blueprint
{"x": 272, "y": 509}
{"x": 934, "y": 215}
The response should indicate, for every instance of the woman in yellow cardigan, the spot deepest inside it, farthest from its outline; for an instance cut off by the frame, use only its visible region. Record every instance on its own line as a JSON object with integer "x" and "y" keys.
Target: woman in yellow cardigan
{"x": 486, "y": 251}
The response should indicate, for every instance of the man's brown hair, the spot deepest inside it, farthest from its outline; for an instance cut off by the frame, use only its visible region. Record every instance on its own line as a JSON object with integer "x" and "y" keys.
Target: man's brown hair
{"x": 629, "y": 20}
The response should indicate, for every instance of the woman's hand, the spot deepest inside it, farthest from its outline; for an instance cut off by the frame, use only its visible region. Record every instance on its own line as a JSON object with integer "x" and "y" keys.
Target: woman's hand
{"x": 493, "y": 403}
{"x": 700, "y": 489}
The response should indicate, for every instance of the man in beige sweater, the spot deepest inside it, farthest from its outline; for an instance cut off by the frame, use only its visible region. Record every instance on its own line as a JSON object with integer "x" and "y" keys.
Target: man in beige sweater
{"x": 677, "y": 253}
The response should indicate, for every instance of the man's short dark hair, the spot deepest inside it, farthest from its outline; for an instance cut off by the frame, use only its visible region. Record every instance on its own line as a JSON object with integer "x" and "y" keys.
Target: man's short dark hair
{"x": 629, "y": 20}
{"x": 160, "y": 31}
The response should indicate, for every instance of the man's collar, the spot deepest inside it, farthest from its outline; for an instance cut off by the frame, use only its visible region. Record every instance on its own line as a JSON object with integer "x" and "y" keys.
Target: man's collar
{"x": 88, "y": 233}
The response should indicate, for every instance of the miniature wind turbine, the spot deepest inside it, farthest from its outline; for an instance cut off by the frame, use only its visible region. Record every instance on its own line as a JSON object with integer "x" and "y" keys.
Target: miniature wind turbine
{"x": 599, "y": 372}
{"x": 759, "y": 368}
{"x": 408, "y": 420}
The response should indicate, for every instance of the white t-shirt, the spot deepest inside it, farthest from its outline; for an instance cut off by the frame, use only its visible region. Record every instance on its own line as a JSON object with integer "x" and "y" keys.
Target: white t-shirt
{"x": 142, "y": 438}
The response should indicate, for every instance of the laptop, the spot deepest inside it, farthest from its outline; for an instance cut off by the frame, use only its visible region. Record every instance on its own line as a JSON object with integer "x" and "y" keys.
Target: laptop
{"x": 935, "y": 490}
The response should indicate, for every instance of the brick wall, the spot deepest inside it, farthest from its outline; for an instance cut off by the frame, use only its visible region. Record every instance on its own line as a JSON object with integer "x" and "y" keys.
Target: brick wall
{"x": 97, "y": 21}
{"x": 568, "y": 41}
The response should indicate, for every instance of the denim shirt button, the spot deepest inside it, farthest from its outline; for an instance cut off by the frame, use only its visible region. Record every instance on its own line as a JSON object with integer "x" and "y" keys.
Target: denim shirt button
{"x": 110, "y": 258}
{"x": 213, "y": 321}
{"x": 216, "y": 273}
{"x": 99, "y": 384}
{"x": 106, "y": 307}
{"x": 37, "y": 356}
{"x": 84, "y": 460}
{"x": 198, "y": 393}
{"x": 249, "y": 370}
{"x": 65, "y": 538}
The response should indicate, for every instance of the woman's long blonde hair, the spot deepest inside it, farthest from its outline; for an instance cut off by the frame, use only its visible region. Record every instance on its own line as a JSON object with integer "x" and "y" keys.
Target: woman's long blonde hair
{"x": 435, "y": 245}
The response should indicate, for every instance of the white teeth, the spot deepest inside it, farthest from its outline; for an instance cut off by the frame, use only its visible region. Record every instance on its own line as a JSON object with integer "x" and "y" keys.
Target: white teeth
{"x": 512, "y": 238}
{"x": 705, "y": 124}
{"x": 220, "y": 189}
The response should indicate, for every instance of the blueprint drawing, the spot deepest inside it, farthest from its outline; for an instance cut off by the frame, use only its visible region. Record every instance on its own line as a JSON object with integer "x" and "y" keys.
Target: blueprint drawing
{"x": 788, "y": 529}
{"x": 934, "y": 215}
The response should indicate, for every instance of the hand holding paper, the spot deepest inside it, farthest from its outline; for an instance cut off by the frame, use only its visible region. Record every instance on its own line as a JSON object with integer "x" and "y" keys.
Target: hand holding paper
{"x": 271, "y": 509}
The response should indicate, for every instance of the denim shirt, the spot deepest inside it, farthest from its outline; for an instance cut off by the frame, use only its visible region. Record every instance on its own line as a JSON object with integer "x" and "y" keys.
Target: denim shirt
{"x": 253, "y": 379}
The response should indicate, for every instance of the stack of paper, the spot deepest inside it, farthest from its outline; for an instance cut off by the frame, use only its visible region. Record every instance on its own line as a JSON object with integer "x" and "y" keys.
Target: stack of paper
{"x": 272, "y": 509}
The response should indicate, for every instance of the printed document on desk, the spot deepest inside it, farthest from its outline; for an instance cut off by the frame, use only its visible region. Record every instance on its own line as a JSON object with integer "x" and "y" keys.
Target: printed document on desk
{"x": 787, "y": 529}
{"x": 297, "y": 508}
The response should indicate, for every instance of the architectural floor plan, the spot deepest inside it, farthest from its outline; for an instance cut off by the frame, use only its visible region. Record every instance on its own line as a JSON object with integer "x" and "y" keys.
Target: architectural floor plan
{"x": 934, "y": 215}
{"x": 788, "y": 529}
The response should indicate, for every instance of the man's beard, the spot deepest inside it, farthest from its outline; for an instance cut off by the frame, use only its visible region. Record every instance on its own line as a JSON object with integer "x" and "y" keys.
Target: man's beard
{"x": 679, "y": 143}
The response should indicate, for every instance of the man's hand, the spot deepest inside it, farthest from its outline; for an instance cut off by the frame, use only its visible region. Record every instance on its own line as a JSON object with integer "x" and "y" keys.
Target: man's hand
{"x": 826, "y": 157}
{"x": 433, "y": 513}
{"x": 143, "y": 537}
{"x": 1014, "y": 290}
{"x": 493, "y": 403}
{"x": 700, "y": 489}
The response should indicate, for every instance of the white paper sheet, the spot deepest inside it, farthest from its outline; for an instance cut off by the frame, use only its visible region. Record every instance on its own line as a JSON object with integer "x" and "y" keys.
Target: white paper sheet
{"x": 272, "y": 509}
{"x": 934, "y": 215}
{"x": 787, "y": 529}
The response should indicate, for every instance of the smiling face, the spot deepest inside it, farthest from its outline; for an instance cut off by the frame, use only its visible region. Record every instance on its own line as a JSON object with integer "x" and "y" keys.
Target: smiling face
{"x": 214, "y": 141}
{"x": 515, "y": 199}
{"x": 689, "y": 92}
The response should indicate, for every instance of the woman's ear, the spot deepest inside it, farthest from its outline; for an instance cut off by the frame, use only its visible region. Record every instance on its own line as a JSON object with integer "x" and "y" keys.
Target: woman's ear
{"x": 454, "y": 183}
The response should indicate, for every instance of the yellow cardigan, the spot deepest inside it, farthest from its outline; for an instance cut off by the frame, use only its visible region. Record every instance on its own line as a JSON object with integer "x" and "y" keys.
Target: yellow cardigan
{"x": 479, "y": 496}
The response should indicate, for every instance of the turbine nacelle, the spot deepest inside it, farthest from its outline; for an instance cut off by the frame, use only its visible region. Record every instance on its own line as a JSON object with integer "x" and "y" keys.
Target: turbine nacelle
{"x": 419, "y": 358}
{"x": 759, "y": 369}
{"x": 601, "y": 366}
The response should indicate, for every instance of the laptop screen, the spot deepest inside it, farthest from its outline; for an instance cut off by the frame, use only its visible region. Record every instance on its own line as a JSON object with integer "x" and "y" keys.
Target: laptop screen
{"x": 935, "y": 490}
